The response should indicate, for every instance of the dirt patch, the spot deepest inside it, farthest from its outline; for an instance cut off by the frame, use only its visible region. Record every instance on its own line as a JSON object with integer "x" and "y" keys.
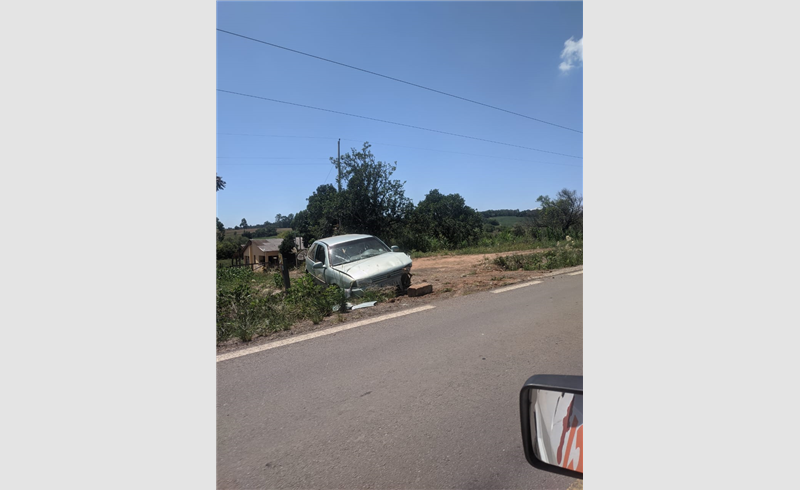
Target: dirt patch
{"x": 465, "y": 274}
{"x": 451, "y": 275}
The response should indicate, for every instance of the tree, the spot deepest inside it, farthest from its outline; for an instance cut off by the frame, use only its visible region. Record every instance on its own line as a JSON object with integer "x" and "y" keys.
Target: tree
{"x": 220, "y": 183}
{"x": 243, "y": 224}
{"x": 445, "y": 218}
{"x": 265, "y": 231}
{"x": 287, "y": 249}
{"x": 372, "y": 203}
{"x": 301, "y": 226}
{"x": 564, "y": 213}
{"x": 220, "y": 230}
{"x": 320, "y": 216}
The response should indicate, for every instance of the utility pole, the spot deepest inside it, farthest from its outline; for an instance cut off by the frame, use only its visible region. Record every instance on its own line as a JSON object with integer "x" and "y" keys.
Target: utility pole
{"x": 339, "y": 163}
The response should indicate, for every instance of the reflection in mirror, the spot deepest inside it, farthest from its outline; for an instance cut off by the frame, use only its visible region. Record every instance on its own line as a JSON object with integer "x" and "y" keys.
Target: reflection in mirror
{"x": 557, "y": 428}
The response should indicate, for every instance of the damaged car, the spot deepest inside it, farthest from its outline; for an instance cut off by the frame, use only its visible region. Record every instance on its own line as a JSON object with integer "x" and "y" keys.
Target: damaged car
{"x": 357, "y": 262}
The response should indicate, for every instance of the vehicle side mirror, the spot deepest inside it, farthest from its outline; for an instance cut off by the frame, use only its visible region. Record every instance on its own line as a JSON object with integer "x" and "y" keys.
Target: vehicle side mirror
{"x": 395, "y": 248}
{"x": 551, "y": 414}
{"x": 318, "y": 265}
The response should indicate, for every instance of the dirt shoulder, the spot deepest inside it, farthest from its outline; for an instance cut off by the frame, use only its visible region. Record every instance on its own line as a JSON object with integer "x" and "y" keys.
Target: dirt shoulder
{"x": 450, "y": 276}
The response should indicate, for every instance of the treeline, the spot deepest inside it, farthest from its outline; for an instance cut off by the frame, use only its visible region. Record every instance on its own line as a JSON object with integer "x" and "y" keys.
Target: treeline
{"x": 373, "y": 203}
{"x": 491, "y": 213}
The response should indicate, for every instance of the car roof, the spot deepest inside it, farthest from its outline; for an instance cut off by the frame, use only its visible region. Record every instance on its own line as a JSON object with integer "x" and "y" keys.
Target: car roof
{"x": 335, "y": 240}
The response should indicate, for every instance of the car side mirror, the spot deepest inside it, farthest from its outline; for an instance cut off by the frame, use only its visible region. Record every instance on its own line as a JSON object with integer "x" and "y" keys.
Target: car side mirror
{"x": 318, "y": 265}
{"x": 551, "y": 415}
{"x": 395, "y": 248}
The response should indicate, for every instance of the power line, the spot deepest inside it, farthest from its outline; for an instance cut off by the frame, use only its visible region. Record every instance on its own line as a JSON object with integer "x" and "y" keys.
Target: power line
{"x": 398, "y": 80}
{"x": 276, "y": 158}
{"x": 275, "y": 164}
{"x": 279, "y": 136}
{"x": 396, "y": 123}
{"x": 401, "y": 146}
{"x": 463, "y": 153}
{"x": 326, "y": 177}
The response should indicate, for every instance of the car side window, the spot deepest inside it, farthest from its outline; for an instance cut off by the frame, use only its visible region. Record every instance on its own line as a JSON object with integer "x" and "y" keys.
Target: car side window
{"x": 319, "y": 255}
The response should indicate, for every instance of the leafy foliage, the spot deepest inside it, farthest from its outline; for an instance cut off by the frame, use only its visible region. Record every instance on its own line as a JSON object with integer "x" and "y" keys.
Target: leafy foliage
{"x": 288, "y": 246}
{"x": 320, "y": 216}
{"x": 220, "y": 183}
{"x": 567, "y": 253}
{"x": 442, "y": 221}
{"x": 564, "y": 213}
{"x": 220, "y": 231}
{"x": 372, "y": 202}
{"x": 227, "y": 248}
{"x": 283, "y": 221}
{"x": 264, "y": 232}
{"x": 245, "y": 309}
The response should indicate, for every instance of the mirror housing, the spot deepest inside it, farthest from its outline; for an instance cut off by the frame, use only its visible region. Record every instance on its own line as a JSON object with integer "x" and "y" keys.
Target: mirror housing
{"x": 318, "y": 265}
{"x": 395, "y": 248}
{"x": 551, "y": 416}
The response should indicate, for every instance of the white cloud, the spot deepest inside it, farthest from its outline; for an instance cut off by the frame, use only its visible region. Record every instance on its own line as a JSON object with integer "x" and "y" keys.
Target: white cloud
{"x": 572, "y": 55}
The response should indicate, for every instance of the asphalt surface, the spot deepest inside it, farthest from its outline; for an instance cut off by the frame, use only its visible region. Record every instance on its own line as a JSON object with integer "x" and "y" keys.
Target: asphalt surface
{"x": 428, "y": 400}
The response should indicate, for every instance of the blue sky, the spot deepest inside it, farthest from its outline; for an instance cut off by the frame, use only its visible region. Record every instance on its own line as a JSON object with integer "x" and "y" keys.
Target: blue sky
{"x": 509, "y": 55}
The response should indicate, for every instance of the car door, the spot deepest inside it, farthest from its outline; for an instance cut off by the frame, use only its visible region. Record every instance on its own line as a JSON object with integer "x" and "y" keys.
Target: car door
{"x": 310, "y": 258}
{"x": 320, "y": 255}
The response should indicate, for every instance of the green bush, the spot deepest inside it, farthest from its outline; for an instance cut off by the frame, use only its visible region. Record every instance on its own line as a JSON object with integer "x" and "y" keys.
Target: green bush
{"x": 567, "y": 253}
{"x": 312, "y": 301}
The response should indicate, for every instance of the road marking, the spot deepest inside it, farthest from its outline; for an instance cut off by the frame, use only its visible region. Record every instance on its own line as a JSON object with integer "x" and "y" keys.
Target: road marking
{"x": 313, "y": 335}
{"x": 575, "y": 273}
{"x": 515, "y": 286}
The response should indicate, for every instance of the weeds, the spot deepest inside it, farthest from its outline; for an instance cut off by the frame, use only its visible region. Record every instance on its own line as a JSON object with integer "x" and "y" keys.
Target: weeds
{"x": 376, "y": 294}
{"x": 565, "y": 254}
{"x": 244, "y": 310}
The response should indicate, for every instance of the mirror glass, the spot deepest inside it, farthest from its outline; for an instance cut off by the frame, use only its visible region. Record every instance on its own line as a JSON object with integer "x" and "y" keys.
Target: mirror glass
{"x": 557, "y": 428}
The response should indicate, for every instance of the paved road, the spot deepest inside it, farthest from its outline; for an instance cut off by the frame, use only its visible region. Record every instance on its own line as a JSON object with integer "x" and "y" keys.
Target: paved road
{"x": 428, "y": 400}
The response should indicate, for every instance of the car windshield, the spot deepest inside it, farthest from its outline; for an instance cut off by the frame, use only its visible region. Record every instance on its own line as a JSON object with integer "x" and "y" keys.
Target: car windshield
{"x": 356, "y": 250}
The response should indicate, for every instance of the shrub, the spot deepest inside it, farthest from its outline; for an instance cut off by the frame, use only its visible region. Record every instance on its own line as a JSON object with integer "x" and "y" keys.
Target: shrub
{"x": 312, "y": 301}
{"x": 568, "y": 253}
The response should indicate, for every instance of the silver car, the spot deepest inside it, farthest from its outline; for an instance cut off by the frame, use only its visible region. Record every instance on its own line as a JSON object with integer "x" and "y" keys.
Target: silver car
{"x": 356, "y": 262}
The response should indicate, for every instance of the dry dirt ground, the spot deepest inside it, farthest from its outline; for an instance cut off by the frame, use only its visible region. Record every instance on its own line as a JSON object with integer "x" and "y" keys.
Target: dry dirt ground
{"x": 450, "y": 276}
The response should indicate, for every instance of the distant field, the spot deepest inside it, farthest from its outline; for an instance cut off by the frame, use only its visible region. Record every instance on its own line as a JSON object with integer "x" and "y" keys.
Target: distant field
{"x": 509, "y": 220}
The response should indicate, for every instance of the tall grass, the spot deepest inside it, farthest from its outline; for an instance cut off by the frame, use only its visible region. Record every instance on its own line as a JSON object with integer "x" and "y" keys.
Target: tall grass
{"x": 567, "y": 253}
{"x": 248, "y": 305}
{"x": 504, "y": 240}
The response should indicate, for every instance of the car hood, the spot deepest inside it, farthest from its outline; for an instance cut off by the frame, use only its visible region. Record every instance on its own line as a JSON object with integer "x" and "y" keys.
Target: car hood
{"x": 373, "y": 266}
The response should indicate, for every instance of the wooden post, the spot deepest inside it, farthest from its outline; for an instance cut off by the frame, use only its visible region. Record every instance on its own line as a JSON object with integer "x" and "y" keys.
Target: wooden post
{"x": 285, "y": 271}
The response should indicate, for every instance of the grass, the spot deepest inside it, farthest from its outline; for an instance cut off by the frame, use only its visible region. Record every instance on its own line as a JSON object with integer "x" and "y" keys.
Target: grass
{"x": 250, "y": 303}
{"x": 375, "y": 294}
{"x": 567, "y": 253}
{"x": 511, "y": 246}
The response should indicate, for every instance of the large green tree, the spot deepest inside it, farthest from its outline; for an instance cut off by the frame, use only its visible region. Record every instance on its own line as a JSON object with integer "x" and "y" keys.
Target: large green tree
{"x": 446, "y": 219}
{"x": 370, "y": 202}
{"x": 320, "y": 217}
{"x": 564, "y": 213}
